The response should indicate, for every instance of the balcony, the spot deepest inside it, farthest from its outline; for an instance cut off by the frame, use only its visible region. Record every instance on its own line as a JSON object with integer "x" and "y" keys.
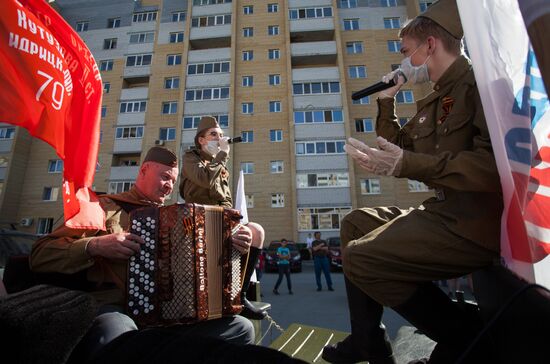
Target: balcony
{"x": 137, "y": 71}
{"x": 135, "y": 93}
{"x": 218, "y": 36}
{"x": 124, "y": 173}
{"x": 3, "y": 171}
{"x": 336, "y": 196}
{"x": 313, "y": 53}
{"x": 127, "y": 145}
{"x": 5, "y": 145}
{"x": 311, "y": 30}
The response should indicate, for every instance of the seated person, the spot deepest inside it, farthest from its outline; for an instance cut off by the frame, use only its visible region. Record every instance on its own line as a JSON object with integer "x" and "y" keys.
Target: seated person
{"x": 104, "y": 255}
{"x": 205, "y": 180}
{"x": 392, "y": 255}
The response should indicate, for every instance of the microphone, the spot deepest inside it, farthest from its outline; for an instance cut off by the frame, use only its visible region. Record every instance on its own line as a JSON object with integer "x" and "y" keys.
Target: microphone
{"x": 377, "y": 87}
{"x": 235, "y": 140}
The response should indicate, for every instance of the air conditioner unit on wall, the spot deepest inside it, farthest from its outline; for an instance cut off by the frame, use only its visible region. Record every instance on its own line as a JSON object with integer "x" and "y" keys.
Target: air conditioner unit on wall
{"x": 27, "y": 221}
{"x": 159, "y": 142}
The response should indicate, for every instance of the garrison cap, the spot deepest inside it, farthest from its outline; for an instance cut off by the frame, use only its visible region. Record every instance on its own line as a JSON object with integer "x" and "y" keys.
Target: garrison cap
{"x": 162, "y": 156}
{"x": 445, "y": 14}
{"x": 207, "y": 122}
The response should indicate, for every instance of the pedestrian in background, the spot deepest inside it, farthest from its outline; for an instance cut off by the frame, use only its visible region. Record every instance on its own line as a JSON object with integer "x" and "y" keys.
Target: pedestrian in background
{"x": 319, "y": 249}
{"x": 283, "y": 253}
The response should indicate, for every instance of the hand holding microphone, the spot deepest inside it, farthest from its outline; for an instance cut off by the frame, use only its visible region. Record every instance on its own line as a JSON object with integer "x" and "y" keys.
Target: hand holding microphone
{"x": 392, "y": 82}
{"x": 224, "y": 144}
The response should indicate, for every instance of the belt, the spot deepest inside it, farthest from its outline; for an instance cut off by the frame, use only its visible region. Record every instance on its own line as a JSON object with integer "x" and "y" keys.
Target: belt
{"x": 439, "y": 194}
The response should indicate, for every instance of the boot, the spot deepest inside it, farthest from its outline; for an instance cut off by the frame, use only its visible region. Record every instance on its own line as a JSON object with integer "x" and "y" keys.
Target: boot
{"x": 249, "y": 311}
{"x": 431, "y": 311}
{"x": 368, "y": 340}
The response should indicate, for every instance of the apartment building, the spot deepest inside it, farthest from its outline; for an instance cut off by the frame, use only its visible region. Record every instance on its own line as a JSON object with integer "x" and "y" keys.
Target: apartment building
{"x": 278, "y": 73}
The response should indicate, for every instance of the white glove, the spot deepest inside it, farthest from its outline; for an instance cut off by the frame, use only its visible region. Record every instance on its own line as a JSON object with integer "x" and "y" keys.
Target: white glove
{"x": 385, "y": 161}
{"x": 224, "y": 144}
{"x": 392, "y": 91}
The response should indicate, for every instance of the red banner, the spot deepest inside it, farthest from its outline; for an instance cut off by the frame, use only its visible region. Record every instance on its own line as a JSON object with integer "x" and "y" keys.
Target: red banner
{"x": 51, "y": 86}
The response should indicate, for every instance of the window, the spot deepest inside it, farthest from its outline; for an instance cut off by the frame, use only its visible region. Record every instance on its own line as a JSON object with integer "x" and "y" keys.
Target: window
{"x": 357, "y": 71}
{"x": 273, "y": 54}
{"x": 347, "y": 4}
{"x": 248, "y": 9}
{"x": 45, "y": 225}
{"x": 247, "y": 167}
{"x": 273, "y": 30}
{"x": 210, "y": 21}
{"x": 172, "y": 82}
{"x": 144, "y": 17}
{"x": 351, "y": 24}
{"x": 173, "y": 59}
{"x": 394, "y": 46}
{"x": 127, "y": 163}
{"x": 121, "y": 186}
{"x": 82, "y": 26}
{"x": 191, "y": 122}
{"x": 274, "y": 80}
{"x": 388, "y": 3}
{"x": 203, "y": 68}
{"x": 7, "y": 133}
{"x": 248, "y": 136}
{"x": 247, "y": 107}
{"x": 106, "y": 87}
{"x": 170, "y": 107}
{"x": 364, "y": 125}
{"x": 50, "y": 193}
{"x": 320, "y": 147}
{"x": 403, "y": 121}
{"x": 416, "y": 186}
{"x": 276, "y": 135}
{"x": 307, "y": 13}
{"x": 139, "y": 60}
{"x": 276, "y": 167}
{"x": 55, "y": 166}
{"x": 316, "y": 88}
{"x": 319, "y": 116}
{"x": 316, "y": 180}
{"x": 103, "y": 111}
{"x": 424, "y": 5}
{"x": 277, "y": 200}
{"x": 106, "y": 65}
{"x": 109, "y": 43}
{"x": 132, "y": 106}
{"x": 392, "y": 23}
{"x": 272, "y": 8}
{"x": 404, "y": 97}
{"x": 167, "y": 134}
{"x": 274, "y": 106}
{"x": 248, "y": 32}
{"x": 176, "y": 37}
{"x": 143, "y": 37}
{"x": 248, "y": 55}
{"x": 370, "y": 186}
{"x": 210, "y": 2}
{"x": 178, "y": 16}
{"x": 354, "y": 47}
{"x": 113, "y": 23}
{"x": 129, "y": 132}
{"x": 248, "y": 81}
{"x": 321, "y": 218}
{"x": 218, "y": 93}
{"x": 363, "y": 101}
{"x": 249, "y": 201}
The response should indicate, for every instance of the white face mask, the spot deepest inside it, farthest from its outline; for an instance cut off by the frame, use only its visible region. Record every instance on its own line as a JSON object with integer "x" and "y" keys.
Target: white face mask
{"x": 212, "y": 147}
{"x": 415, "y": 74}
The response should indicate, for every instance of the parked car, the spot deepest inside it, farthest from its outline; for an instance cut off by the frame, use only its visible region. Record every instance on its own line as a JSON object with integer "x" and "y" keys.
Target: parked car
{"x": 271, "y": 257}
{"x": 334, "y": 253}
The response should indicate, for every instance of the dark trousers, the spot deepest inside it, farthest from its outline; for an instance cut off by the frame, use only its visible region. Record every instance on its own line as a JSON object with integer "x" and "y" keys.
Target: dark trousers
{"x": 284, "y": 269}
{"x": 322, "y": 264}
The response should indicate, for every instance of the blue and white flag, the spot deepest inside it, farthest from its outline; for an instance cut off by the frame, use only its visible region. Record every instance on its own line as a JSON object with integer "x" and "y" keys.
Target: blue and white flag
{"x": 240, "y": 199}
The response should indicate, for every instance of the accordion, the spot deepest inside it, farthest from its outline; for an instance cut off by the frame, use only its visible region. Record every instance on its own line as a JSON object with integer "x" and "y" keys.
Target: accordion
{"x": 187, "y": 270}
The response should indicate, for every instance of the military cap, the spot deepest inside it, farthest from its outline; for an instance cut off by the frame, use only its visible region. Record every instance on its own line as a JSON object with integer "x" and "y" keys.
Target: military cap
{"x": 162, "y": 156}
{"x": 445, "y": 14}
{"x": 207, "y": 122}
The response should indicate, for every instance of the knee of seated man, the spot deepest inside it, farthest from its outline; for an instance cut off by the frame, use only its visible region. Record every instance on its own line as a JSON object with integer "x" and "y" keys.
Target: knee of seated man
{"x": 244, "y": 330}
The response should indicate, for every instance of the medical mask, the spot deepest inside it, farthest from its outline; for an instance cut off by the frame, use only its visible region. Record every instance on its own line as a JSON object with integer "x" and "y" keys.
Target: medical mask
{"x": 212, "y": 147}
{"x": 415, "y": 74}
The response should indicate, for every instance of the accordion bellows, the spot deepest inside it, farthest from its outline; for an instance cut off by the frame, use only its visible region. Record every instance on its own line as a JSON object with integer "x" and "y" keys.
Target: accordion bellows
{"x": 187, "y": 270}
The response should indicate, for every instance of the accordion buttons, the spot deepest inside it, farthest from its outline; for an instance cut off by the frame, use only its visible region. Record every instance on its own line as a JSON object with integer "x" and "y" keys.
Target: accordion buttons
{"x": 136, "y": 312}
{"x": 148, "y": 218}
{"x": 151, "y": 307}
{"x": 152, "y": 284}
{"x": 130, "y": 303}
{"x": 151, "y": 290}
{"x": 140, "y": 302}
{"x": 152, "y": 225}
{"x": 138, "y": 223}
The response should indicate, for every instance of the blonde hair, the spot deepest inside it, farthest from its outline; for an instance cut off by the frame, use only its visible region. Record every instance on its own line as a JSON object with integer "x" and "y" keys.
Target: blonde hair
{"x": 420, "y": 28}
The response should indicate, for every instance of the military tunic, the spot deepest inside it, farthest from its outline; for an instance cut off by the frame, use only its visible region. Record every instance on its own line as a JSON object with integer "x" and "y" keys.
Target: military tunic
{"x": 205, "y": 179}
{"x": 64, "y": 250}
{"x": 446, "y": 146}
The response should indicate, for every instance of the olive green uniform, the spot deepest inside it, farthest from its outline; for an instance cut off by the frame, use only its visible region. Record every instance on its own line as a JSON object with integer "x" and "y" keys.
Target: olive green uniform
{"x": 205, "y": 179}
{"x": 64, "y": 250}
{"x": 390, "y": 251}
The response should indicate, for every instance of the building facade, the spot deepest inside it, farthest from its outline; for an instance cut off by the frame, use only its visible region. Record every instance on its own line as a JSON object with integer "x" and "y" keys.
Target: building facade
{"x": 279, "y": 73}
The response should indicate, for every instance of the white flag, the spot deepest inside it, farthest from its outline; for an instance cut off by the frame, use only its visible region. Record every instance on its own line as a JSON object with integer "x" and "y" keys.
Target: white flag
{"x": 517, "y": 111}
{"x": 240, "y": 199}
